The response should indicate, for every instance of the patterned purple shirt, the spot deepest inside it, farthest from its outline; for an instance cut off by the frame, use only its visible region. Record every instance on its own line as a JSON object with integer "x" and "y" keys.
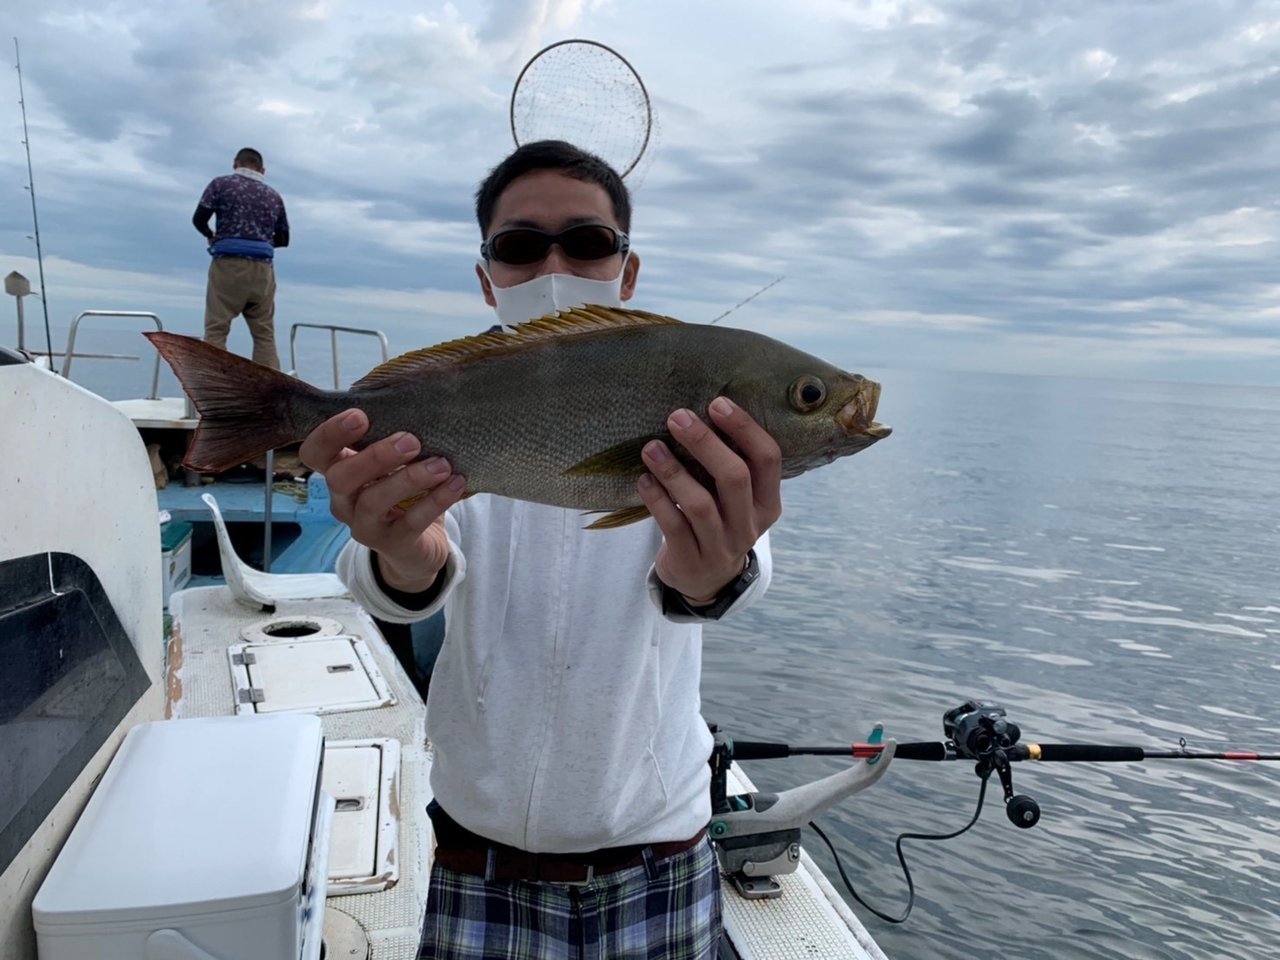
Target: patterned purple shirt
{"x": 247, "y": 209}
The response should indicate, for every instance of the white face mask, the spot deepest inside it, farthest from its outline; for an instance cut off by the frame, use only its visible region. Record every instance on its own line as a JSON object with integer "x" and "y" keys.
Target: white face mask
{"x": 550, "y": 293}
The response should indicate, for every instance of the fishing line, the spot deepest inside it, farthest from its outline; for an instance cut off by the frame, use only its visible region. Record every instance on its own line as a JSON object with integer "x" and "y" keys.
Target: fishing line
{"x": 902, "y": 859}
{"x": 748, "y": 299}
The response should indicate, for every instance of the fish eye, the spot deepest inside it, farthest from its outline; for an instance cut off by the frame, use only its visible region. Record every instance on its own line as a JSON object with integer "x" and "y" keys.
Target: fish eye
{"x": 808, "y": 393}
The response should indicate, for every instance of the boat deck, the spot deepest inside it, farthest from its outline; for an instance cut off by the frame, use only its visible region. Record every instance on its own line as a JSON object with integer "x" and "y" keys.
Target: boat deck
{"x": 163, "y": 413}
{"x": 206, "y": 622}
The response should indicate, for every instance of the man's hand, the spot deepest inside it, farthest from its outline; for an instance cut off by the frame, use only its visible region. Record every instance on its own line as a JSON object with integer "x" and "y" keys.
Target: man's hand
{"x": 708, "y": 532}
{"x": 367, "y": 488}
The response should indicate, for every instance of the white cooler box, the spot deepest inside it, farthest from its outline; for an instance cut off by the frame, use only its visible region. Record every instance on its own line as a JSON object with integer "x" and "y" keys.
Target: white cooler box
{"x": 206, "y": 840}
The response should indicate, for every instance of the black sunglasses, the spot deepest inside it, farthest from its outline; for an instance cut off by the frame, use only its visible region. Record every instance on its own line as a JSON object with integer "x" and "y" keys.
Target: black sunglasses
{"x": 523, "y": 245}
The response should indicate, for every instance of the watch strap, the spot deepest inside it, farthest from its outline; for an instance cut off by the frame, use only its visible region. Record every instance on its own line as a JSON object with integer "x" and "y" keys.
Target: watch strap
{"x": 674, "y": 602}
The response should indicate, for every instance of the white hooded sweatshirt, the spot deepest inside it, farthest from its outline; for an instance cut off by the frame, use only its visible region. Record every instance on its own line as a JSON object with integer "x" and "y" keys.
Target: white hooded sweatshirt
{"x": 564, "y": 706}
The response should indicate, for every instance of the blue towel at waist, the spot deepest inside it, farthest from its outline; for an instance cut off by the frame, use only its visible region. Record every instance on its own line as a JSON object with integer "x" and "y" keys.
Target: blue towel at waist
{"x": 249, "y": 249}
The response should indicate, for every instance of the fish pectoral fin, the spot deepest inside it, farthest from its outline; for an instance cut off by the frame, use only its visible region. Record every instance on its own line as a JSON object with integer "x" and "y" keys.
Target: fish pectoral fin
{"x": 408, "y": 502}
{"x": 622, "y": 460}
{"x": 619, "y": 518}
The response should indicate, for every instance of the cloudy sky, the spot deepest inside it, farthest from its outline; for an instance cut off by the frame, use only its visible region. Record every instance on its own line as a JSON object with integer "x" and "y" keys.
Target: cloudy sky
{"x": 1083, "y": 188}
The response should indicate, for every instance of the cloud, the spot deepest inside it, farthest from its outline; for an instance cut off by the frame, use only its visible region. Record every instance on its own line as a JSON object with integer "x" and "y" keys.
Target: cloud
{"x": 1009, "y": 181}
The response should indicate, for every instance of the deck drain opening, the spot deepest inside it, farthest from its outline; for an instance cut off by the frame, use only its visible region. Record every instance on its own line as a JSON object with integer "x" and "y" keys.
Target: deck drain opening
{"x": 292, "y": 628}
{"x": 340, "y": 667}
{"x": 349, "y": 804}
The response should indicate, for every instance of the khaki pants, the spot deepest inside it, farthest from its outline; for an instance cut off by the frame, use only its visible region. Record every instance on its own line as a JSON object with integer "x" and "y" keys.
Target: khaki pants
{"x": 239, "y": 285}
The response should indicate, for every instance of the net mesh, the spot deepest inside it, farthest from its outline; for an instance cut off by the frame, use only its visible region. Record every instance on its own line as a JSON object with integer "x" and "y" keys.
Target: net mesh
{"x": 588, "y": 94}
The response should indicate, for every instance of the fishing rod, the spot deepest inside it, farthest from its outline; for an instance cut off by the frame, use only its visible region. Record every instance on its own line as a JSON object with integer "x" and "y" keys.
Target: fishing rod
{"x": 757, "y": 834}
{"x": 979, "y": 730}
{"x": 31, "y": 188}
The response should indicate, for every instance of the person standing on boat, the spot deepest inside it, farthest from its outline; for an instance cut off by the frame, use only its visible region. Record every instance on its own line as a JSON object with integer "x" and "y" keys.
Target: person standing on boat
{"x": 570, "y": 774}
{"x": 251, "y": 224}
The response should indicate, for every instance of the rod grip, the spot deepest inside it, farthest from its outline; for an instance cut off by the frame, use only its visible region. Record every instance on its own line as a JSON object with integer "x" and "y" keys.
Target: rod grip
{"x": 1085, "y": 753}
{"x": 921, "y": 751}
{"x": 759, "y": 750}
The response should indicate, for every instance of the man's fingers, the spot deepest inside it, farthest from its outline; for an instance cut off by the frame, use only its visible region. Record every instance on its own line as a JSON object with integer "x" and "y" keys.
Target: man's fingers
{"x": 728, "y": 470}
{"x": 696, "y": 503}
{"x": 760, "y": 451}
{"x": 395, "y": 495}
{"x": 324, "y": 446}
{"x": 663, "y": 509}
{"x": 426, "y": 509}
{"x": 349, "y": 475}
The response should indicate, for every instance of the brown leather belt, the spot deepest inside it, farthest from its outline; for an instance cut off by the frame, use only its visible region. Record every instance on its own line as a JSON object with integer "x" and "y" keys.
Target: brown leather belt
{"x": 507, "y": 864}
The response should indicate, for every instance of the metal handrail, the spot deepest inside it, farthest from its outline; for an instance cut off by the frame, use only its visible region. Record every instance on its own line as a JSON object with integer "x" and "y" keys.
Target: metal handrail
{"x": 71, "y": 344}
{"x": 334, "y": 330}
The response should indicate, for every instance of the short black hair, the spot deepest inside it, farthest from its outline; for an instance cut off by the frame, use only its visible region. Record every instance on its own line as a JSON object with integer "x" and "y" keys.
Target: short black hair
{"x": 553, "y": 155}
{"x": 248, "y": 157}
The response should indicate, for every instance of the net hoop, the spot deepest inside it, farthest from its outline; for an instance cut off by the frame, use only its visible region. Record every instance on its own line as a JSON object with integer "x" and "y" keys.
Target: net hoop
{"x": 634, "y": 75}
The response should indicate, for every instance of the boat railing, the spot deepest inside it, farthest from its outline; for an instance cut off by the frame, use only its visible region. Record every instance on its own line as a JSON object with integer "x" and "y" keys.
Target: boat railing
{"x": 71, "y": 354}
{"x": 334, "y": 330}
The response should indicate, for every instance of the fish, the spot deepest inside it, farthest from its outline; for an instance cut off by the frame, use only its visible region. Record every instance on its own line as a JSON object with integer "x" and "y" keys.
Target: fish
{"x": 555, "y": 410}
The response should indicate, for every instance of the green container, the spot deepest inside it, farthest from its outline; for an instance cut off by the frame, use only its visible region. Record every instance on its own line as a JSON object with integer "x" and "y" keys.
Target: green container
{"x": 172, "y": 535}
{"x": 175, "y": 558}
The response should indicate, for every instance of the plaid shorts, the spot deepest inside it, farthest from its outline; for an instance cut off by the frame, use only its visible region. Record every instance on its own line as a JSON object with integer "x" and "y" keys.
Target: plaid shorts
{"x": 659, "y": 910}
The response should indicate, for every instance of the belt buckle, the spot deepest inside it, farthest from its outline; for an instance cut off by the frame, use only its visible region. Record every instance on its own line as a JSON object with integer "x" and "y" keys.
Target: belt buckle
{"x": 586, "y": 881}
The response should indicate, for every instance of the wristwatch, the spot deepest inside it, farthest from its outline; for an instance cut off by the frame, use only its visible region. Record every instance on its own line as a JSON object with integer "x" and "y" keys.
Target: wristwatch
{"x": 674, "y": 602}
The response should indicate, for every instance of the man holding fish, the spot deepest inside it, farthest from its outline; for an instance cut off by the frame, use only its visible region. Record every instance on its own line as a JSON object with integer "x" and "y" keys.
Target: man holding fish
{"x": 571, "y": 783}
{"x": 564, "y": 706}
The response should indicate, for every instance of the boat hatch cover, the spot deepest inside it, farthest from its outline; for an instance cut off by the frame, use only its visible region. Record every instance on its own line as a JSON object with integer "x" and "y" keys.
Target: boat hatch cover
{"x": 363, "y": 777}
{"x": 322, "y": 675}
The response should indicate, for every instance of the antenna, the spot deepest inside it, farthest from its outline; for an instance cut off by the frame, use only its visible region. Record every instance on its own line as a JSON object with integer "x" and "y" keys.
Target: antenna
{"x": 748, "y": 300}
{"x": 31, "y": 188}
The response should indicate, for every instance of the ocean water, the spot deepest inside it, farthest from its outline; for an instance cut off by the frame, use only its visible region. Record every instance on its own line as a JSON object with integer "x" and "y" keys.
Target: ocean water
{"x": 1102, "y": 558}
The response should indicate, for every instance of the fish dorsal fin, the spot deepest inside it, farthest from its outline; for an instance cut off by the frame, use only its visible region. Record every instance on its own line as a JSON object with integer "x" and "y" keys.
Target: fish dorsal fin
{"x": 568, "y": 323}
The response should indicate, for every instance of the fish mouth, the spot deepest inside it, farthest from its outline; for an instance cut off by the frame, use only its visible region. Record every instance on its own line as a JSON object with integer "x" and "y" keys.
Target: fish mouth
{"x": 857, "y": 417}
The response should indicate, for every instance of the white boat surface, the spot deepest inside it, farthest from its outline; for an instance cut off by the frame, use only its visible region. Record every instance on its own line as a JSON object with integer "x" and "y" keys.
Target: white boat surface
{"x": 85, "y": 489}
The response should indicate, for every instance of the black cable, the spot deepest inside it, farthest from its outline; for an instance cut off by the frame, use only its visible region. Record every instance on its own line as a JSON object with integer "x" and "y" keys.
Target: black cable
{"x": 911, "y": 887}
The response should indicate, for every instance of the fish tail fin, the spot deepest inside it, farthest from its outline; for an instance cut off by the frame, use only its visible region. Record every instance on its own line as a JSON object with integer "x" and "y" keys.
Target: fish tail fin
{"x": 245, "y": 408}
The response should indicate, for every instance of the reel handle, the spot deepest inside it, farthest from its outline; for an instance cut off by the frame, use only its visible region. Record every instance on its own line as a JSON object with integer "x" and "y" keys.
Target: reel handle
{"x": 1022, "y": 811}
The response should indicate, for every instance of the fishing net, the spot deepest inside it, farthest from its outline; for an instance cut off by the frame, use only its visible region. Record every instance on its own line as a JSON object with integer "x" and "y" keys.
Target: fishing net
{"x": 588, "y": 94}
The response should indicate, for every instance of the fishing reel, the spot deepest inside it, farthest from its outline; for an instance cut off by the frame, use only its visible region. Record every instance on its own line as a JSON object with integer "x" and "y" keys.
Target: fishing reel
{"x": 976, "y": 727}
{"x": 980, "y": 730}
